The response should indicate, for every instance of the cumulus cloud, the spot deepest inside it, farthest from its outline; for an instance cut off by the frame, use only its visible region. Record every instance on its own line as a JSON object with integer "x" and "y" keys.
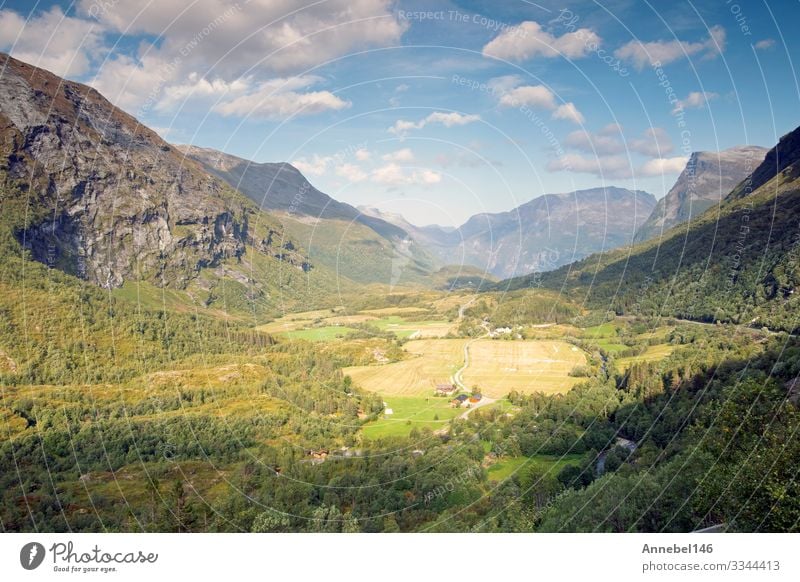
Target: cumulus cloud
{"x": 362, "y": 154}
{"x": 280, "y": 98}
{"x": 537, "y": 96}
{"x": 351, "y": 173}
{"x": 529, "y": 40}
{"x": 274, "y": 35}
{"x": 569, "y": 112}
{"x": 601, "y": 166}
{"x": 641, "y": 54}
{"x": 403, "y": 155}
{"x": 765, "y": 44}
{"x": 316, "y": 166}
{"x": 393, "y": 175}
{"x": 531, "y": 95}
{"x": 694, "y": 100}
{"x": 655, "y": 143}
{"x": 401, "y": 127}
{"x": 61, "y": 44}
{"x": 611, "y": 154}
{"x": 660, "y": 166}
{"x": 600, "y": 143}
{"x": 220, "y": 42}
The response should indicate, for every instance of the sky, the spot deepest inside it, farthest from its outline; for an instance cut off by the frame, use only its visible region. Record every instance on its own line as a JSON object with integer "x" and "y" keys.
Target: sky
{"x": 440, "y": 109}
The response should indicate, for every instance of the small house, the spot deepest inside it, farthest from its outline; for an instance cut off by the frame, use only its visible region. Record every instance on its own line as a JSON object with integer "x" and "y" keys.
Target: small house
{"x": 444, "y": 389}
{"x": 475, "y": 398}
{"x": 459, "y": 400}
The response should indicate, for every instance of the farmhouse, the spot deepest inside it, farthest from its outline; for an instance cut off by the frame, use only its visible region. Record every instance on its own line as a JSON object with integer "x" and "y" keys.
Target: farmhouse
{"x": 459, "y": 400}
{"x": 444, "y": 389}
{"x": 475, "y": 398}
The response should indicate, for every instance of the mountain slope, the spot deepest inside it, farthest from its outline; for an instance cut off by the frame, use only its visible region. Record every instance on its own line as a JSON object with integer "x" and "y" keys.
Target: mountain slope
{"x": 706, "y": 180}
{"x": 734, "y": 264}
{"x": 545, "y": 233}
{"x": 359, "y": 246}
{"x": 104, "y": 198}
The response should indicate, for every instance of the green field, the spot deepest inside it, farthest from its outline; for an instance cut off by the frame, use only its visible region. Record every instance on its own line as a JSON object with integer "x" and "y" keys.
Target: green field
{"x": 506, "y": 467}
{"x": 409, "y": 413}
{"x": 653, "y": 354}
{"x": 320, "y": 334}
{"x": 611, "y": 346}
{"x": 598, "y": 331}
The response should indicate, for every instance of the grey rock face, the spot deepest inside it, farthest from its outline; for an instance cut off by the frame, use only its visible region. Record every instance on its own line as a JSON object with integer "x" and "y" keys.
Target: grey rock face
{"x": 110, "y": 200}
{"x": 707, "y": 179}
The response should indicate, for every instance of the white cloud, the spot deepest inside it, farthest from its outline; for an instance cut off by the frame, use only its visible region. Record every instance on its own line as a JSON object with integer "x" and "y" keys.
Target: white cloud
{"x": 282, "y": 36}
{"x": 402, "y": 127}
{"x": 601, "y": 143}
{"x": 394, "y": 175}
{"x": 220, "y": 42}
{"x": 529, "y": 40}
{"x": 363, "y": 154}
{"x": 655, "y": 143}
{"x": 351, "y": 172}
{"x": 537, "y": 96}
{"x": 664, "y": 52}
{"x": 279, "y": 99}
{"x": 61, "y": 44}
{"x": 694, "y": 100}
{"x": 765, "y": 44}
{"x": 316, "y": 166}
{"x": 196, "y": 87}
{"x": 531, "y": 95}
{"x": 660, "y": 166}
{"x": 601, "y": 166}
{"x": 569, "y": 112}
{"x": 403, "y": 155}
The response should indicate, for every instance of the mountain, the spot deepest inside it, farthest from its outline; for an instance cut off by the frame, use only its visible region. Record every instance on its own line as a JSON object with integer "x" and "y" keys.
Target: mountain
{"x": 540, "y": 235}
{"x": 359, "y": 246}
{"x": 96, "y": 194}
{"x": 736, "y": 263}
{"x": 706, "y": 180}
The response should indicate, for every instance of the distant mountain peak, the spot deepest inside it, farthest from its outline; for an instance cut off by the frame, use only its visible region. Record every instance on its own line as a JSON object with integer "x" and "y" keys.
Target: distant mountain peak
{"x": 705, "y": 181}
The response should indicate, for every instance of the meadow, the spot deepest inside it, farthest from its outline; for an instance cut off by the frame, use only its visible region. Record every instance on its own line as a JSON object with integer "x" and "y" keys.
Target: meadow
{"x": 410, "y": 412}
{"x": 497, "y": 367}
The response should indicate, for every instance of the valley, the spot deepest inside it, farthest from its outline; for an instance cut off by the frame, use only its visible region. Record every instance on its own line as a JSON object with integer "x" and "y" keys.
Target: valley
{"x": 191, "y": 341}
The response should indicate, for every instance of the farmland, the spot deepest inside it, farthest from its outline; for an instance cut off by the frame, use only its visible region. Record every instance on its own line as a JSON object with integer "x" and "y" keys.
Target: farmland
{"x": 495, "y": 367}
{"x": 433, "y": 362}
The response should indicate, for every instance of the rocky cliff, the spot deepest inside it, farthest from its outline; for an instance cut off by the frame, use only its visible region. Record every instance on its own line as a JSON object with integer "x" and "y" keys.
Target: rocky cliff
{"x": 108, "y": 199}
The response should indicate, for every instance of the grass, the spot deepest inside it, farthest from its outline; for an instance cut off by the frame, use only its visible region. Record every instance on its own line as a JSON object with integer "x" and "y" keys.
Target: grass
{"x": 603, "y": 330}
{"x": 403, "y": 329}
{"x": 433, "y": 362}
{"x": 611, "y": 347}
{"x": 498, "y": 367}
{"x": 653, "y": 354}
{"x": 320, "y": 334}
{"x": 410, "y": 413}
{"x": 508, "y": 466}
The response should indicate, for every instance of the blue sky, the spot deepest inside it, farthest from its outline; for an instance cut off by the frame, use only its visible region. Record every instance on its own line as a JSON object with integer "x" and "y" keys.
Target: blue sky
{"x": 436, "y": 109}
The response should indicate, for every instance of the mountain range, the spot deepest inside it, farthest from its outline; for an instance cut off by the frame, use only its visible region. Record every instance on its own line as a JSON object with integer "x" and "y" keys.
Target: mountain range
{"x": 736, "y": 262}
{"x": 112, "y": 202}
